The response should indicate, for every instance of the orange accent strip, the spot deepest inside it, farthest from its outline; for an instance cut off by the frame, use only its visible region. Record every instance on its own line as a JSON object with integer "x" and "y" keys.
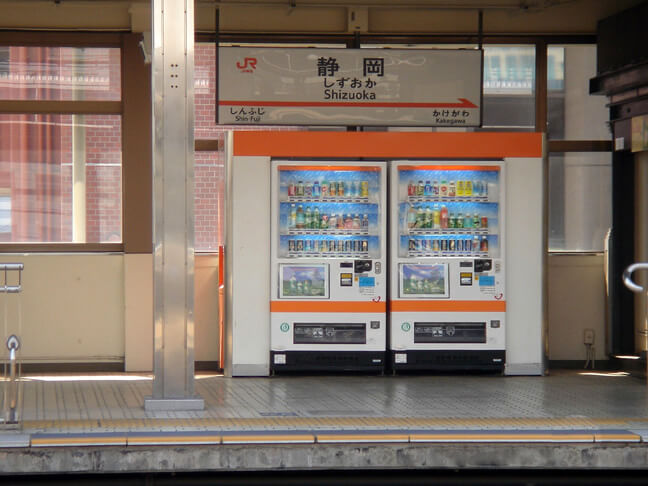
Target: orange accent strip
{"x": 330, "y": 167}
{"x": 447, "y": 306}
{"x": 326, "y": 306}
{"x": 449, "y": 167}
{"x": 495, "y": 145}
{"x": 463, "y": 103}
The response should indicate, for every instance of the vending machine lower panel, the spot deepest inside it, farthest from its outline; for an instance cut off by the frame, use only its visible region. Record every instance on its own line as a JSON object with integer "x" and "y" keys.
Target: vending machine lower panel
{"x": 297, "y": 361}
{"x": 448, "y": 360}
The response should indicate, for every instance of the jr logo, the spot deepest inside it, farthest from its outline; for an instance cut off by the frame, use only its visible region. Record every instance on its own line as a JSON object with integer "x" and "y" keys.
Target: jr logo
{"x": 248, "y": 66}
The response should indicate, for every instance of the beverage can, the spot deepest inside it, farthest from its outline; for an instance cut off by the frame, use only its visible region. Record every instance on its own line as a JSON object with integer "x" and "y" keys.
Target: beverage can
{"x": 300, "y": 245}
{"x": 475, "y": 245}
{"x": 316, "y": 189}
{"x": 420, "y": 188}
{"x": 484, "y": 222}
{"x": 435, "y": 188}
{"x": 291, "y": 189}
{"x": 452, "y": 245}
{"x": 341, "y": 188}
{"x": 357, "y": 190}
{"x": 308, "y": 190}
{"x": 365, "y": 245}
{"x": 299, "y": 189}
{"x": 460, "y": 189}
{"x": 412, "y": 244}
{"x": 435, "y": 245}
{"x": 364, "y": 189}
{"x": 476, "y": 221}
{"x": 333, "y": 189}
{"x": 332, "y": 245}
{"x": 347, "y": 245}
{"x": 291, "y": 245}
{"x": 452, "y": 189}
{"x": 459, "y": 221}
{"x": 444, "y": 245}
{"x": 324, "y": 188}
{"x": 411, "y": 188}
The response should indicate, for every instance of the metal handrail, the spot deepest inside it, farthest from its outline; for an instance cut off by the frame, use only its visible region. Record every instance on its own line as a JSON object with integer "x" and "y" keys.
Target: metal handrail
{"x": 12, "y": 399}
{"x": 627, "y": 276}
{"x": 11, "y": 394}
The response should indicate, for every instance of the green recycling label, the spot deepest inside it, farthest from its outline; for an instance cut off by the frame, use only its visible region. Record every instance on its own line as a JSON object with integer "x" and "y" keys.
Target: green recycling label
{"x": 285, "y": 327}
{"x": 405, "y": 326}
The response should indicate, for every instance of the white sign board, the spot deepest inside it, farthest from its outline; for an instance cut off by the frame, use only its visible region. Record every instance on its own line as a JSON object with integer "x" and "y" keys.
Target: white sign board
{"x": 386, "y": 87}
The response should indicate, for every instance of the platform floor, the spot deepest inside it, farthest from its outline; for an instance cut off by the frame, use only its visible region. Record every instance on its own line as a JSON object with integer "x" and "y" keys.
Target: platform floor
{"x": 563, "y": 399}
{"x": 605, "y": 410}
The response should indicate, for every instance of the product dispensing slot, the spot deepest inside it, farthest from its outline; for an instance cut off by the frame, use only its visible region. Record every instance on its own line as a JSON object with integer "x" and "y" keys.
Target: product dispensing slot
{"x": 449, "y": 332}
{"x": 330, "y": 333}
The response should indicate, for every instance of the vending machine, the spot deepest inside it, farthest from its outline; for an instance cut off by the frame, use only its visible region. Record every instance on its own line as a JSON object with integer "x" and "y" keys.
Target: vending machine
{"x": 447, "y": 284}
{"x": 328, "y": 275}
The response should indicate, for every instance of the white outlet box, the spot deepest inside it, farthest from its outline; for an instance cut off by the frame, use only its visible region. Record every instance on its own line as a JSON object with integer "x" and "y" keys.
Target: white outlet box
{"x": 588, "y": 336}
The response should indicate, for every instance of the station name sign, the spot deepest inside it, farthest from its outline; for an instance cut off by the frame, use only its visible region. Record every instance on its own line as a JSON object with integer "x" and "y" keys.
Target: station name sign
{"x": 371, "y": 87}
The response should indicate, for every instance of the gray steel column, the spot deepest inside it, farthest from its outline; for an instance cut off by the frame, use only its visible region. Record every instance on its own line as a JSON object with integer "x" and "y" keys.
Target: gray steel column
{"x": 173, "y": 225}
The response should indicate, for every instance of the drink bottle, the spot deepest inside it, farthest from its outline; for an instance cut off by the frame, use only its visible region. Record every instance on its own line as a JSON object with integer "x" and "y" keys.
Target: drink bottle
{"x": 444, "y": 217}
{"x": 299, "y": 217}
{"x": 292, "y": 220}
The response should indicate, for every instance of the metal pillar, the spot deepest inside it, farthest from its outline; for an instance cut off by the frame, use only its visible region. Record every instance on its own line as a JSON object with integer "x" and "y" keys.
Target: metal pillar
{"x": 173, "y": 229}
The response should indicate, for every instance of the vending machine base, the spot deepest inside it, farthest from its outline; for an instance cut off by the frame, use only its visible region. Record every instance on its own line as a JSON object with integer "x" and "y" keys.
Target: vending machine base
{"x": 336, "y": 361}
{"x": 446, "y": 360}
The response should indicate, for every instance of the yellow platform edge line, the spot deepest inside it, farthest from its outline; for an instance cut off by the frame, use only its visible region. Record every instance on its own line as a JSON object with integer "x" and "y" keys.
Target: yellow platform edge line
{"x": 269, "y": 439}
{"x": 495, "y": 437}
{"x": 152, "y": 423}
{"x": 630, "y": 437}
{"x": 183, "y": 439}
{"x": 362, "y": 437}
{"x": 77, "y": 441}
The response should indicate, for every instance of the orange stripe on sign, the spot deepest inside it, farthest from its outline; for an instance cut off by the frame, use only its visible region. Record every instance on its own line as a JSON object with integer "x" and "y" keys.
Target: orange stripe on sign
{"x": 331, "y": 167}
{"x": 475, "y": 145}
{"x": 461, "y": 103}
{"x": 449, "y": 167}
{"x": 327, "y": 306}
{"x": 447, "y": 306}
